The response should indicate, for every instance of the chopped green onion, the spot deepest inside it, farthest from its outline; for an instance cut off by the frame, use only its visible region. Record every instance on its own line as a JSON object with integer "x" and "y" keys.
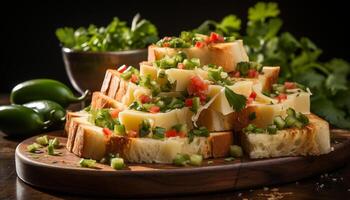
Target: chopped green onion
{"x": 290, "y": 121}
{"x": 196, "y": 160}
{"x": 291, "y": 112}
{"x": 145, "y": 128}
{"x": 210, "y": 162}
{"x": 43, "y": 140}
{"x": 259, "y": 130}
{"x": 158, "y": 132}
{"x": 117, "y": 163}
{"x": 119, "y": 129}
{"x": 279, "y": 122}
{"x": 302, "y": 118}
{"x": 50, "y": 149}
{"x": 55, "y": 143}
{"x": 298, "y": 124}
{"x": 249, "y": 128}
{"x": 90, "y": 163}
{"x": 196, "y": 103}
{"x": 180, "y": 57}
{"x": 272, "y": 129}
{"x": 236, "y": 151}
{"x": 181, "y": 159}
{"x": 243, "y": 68}
{"x": 33, "y": 147}
{"x": 252, "y": 116}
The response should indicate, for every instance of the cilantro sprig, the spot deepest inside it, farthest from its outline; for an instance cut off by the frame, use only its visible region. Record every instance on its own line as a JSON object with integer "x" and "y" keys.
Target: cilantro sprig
{"x": 237, "y": 101}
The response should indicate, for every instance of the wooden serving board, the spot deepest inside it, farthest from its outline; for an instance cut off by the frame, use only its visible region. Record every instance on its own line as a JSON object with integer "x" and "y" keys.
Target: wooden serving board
{"x": 63, "y": 173}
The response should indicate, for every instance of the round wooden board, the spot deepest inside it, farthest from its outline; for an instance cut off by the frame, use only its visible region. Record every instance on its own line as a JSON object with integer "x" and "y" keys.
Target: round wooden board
{"x": 62, "y": 172}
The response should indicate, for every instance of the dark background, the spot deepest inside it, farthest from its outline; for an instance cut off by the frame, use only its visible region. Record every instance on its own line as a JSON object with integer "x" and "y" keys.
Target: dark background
{"x": 31, "y": 49}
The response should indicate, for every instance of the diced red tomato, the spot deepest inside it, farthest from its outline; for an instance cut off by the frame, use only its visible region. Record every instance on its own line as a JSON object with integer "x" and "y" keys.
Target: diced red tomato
{"x": 202, "y": 97}
{"x": 237, "y": 74}
{"x": 252, "y": 73}
{"x": 250, "y": 100}
{"x": 166, "y": 44}
{"x": 189, "y": 102}
{"x": 180, "y": 66}
{"x": 145, "y": 98}
{"x": 107, "y": 131}
{"x": 114, "y": 113}
{"x": 281, "y": 97}
{"x": 197, "y": 86}
{"x": 252, "y": 95}
{"x": 289, "y": 85}
{"x": 132, "y": 133}
{"x": 171, "y": 133}
{"x": 214, "y": 37}
{"x": 134, "y": 78}
{"x": 154, "y": 109}
{"x": 199, "y": 44}
{"x": 181, "y": 134}
{"x": 122, "y": 68}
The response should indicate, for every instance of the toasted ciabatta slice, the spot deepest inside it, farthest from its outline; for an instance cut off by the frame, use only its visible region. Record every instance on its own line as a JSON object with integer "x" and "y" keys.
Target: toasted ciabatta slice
{"x": 99, "y": 101}
{"x": 226, "y": 55}
{"x": 72, "y": 129}
{"x": 120, "y": 90}
{"x": 91, "y": 142}
{"x": 259, "y": 114}
{"x": 69, "y": 116}
{"x": 313, "y": 139}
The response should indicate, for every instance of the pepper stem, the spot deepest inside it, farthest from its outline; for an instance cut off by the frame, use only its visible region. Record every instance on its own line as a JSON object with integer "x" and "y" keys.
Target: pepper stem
{"x": 82, "y": 97}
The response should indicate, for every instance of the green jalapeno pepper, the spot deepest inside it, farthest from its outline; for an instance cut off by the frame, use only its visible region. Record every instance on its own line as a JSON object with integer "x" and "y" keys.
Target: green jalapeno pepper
{"x": 49, "y": 110}
{"x": 40, "y": 89}
{"x": 17, "y": 120}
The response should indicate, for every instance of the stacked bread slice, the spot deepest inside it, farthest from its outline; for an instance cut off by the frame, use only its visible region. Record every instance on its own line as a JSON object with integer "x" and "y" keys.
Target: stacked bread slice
{"x": 182, "y": 101}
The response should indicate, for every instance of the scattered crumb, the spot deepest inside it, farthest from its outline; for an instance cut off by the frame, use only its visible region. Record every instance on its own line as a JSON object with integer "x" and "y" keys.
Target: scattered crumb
{"x": 266, "y": 188}
{"x": 275, "y": 195}
{"x": 229, "y": 159}
{"x": 297, "y": 183}
{"x": 239, "y": 194}
{"x": 274, "y": 189}
{"x": 349, "y": 190}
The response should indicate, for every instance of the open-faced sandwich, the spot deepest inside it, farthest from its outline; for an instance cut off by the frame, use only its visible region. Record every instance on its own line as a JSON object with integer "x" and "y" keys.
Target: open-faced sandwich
{"x": 196, "y": 95}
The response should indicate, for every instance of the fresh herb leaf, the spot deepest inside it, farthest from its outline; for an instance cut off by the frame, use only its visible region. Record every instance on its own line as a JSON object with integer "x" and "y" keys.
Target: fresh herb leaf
{"x": 262, "y": 11}
{"x": 237, "y": 101}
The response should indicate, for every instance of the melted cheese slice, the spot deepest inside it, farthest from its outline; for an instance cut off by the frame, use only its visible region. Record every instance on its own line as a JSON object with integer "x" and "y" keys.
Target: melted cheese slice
{"x": 182, "y": 77}
{"x": 265, "y": 113}
{"x": 131, "y": 119}
{"x": 146, "y": 68}
{"x": 133, "y": 92}
{"x": 260, "y": 97}
{"x": 299, "y": 101}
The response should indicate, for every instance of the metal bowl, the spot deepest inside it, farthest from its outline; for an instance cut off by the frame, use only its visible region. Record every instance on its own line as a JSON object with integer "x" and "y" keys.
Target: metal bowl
{"x": 86, "y": 70}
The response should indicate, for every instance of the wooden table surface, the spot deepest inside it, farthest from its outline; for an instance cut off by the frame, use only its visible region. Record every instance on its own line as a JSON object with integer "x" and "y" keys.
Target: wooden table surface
{"x": 332, "y": 185}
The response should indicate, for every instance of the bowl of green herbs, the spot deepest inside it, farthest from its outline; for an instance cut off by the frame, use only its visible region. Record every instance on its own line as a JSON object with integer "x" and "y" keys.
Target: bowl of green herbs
{"x": 89, "y": 51}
